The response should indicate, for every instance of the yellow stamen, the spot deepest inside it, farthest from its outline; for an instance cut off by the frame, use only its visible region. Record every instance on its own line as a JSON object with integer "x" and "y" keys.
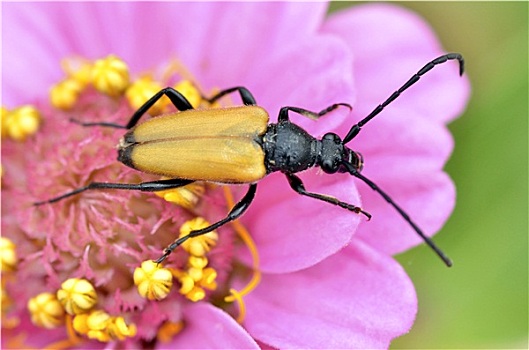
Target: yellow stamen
{"x": 196, "y": 294}
{"x": 77, "y": 296}
{"x": 153, "y": 281}
{"x": 256, "y": 276}
{"x": 177, "y": 67}
{"x": 187, "y": 283}
{"x": 103, "y": 327}
{"x": 187, "y": 196}
{"x": 97, "y": 322}
{"x": 8, "y": 255}
{"x": 22, "y": 122}
{"x": 4, "y": 115}
{"x": 194, "y": 96}
{"x": 46, "y": 311}
{"x": 65, "y": 94}
{"x": 118, "y": 329}
{"x": 110, "y": 76}
{"x": 80, "y": 325}
{"x": 190, "y": 92}
{"x": 208, "y": 278}
{"x": 168, "y": 330}
{"x": 195, "y": 273}
{"x": 198, "y": 262}
{"x": 143, "y": 89}
{"x": 78, "y": 69}
{"x": 236, "y": 296}
{"x": 200, "y": 245}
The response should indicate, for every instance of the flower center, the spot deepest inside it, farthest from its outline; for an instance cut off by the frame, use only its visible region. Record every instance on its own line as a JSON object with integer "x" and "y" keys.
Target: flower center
{"x": 105, "y": 236}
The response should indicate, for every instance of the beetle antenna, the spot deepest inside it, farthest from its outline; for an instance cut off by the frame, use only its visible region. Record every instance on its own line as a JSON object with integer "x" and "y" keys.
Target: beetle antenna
{"x": 355, "y": 129}
{"x": 105, "y": 124}
{"x": 353, "y": 171}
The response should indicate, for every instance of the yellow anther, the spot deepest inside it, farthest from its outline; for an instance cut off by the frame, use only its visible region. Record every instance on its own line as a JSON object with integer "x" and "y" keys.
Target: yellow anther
{"x": 77, "y": 296}
{"x": 97, "y": 323}
{"x": 22, "y": 122}
{"x": 97, "y": 320}
{"x": 153, "y": 282}
{"x": 110, "y": 76}
{"x": 187, "y": 283}
{"x": 46, "y": 311}
{"x": 200, "y": 245}
{"x": 78, "y": 69}
{"x": 208, "y": 278}
{"x": 4, "y": 114}
{"x": 190, "y": 92}
{"x": 198, "y": 262}
{"x": 143, "y": 89}
{"x": 168, "y": 330}
{"x": 196, "y": 294}
{"x": 103, "y": 327}
{"x": 65, "y": 94}
{"x": 187, "y": 196}
{"x": 119, "y": 330}
{"x": 195, "y": 273}
{"x": 80, "y": 323}
{"x": 8, "y": 255}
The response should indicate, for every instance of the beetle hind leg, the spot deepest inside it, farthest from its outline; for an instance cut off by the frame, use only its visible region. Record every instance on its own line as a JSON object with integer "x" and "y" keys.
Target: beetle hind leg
{"x": 237, "y": 210}
{"x": 151, "y": 186}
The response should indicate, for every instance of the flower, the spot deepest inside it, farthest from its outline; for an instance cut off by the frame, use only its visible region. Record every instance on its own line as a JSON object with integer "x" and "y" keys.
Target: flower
{"x": 313, "y": 291}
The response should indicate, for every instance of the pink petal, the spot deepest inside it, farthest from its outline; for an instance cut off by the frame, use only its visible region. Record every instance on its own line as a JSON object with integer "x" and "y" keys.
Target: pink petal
{"x": 313, "y": 75}
{"x": 357, "y": 298}
{"x": 402, "y": 138}
{"x": 390, "y": 44}
{"x": 293, "y": 232}
{"x": 206, "y": 37}
{"x": 239, "y": 37}
{"x": 429, "y": 200}
{"x": 208, "y": 327}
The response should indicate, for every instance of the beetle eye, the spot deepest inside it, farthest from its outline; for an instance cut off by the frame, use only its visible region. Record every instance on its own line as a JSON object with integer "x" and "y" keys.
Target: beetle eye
{"x": 329, "y": 167}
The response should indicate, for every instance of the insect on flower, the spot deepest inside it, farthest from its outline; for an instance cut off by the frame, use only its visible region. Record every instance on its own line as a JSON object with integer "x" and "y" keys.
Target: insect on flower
{"x": 236, "y": 145}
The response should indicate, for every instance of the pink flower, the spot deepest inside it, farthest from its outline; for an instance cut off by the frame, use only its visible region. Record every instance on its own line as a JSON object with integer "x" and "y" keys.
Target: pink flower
{"x": 328, "y": 277}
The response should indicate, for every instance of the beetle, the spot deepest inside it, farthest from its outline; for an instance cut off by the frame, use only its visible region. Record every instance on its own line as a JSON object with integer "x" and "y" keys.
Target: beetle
{"x": 237, "y": 145}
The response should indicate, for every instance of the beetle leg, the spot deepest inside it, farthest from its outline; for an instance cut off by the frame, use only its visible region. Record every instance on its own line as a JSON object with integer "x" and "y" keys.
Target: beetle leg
{"x": 297, "y": 185}
{"x": 283, "y": 112}
{"x": 246, "y": 96}
{"x": 237, "y": 210}
{"x": 151, "y": 186}
{"x": 178, "y": 100}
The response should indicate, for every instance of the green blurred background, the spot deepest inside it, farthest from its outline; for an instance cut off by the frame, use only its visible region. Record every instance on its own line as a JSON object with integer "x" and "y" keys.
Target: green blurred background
{"x": 481, "y": 302}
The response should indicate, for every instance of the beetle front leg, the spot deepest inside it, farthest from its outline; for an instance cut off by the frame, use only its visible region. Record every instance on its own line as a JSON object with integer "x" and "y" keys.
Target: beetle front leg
{"x": 283, "y": 112}
{"x": 246, "y": 96}
{"x": 297, "y": 185}
{"x": 178, "y": 100}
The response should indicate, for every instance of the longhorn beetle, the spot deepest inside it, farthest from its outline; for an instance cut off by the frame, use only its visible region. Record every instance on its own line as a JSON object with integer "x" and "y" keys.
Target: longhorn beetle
{"x": 236, "y": 145}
